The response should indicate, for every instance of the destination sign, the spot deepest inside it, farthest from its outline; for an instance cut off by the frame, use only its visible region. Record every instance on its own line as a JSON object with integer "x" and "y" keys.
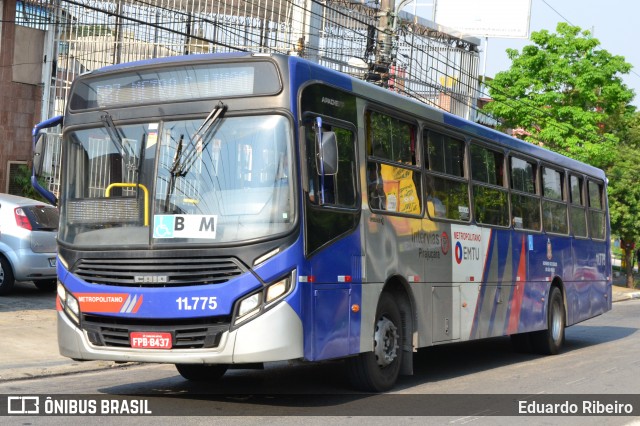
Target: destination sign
{"x": 175, "y": 83}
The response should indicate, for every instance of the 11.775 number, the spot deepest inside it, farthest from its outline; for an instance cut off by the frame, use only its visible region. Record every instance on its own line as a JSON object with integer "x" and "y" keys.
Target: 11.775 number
{"x": 195, "y": 303}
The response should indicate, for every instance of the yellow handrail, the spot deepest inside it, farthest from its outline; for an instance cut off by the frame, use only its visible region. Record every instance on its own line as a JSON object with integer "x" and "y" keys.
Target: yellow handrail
{"x": 133, "y": 185}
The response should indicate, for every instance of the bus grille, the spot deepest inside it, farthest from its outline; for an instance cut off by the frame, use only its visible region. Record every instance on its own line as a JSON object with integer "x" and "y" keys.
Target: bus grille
{"x": 155, "y": 272}
{"x": 186, "y": 334}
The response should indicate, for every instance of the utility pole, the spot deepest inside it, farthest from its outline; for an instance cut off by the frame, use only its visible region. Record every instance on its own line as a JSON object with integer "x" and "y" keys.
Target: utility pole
{"x": 379, "y": 70}
{"x": 385, "y": 56}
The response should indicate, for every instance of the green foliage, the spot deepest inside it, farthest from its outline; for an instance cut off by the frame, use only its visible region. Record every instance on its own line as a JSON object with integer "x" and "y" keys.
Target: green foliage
{"x": 624, "y": 193}
{"x": 566, "y": 92}
{"x": 22, "y": 179}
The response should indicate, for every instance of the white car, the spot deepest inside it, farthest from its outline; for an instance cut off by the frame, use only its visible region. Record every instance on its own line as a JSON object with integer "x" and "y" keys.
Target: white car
{"x": 28, "y": 246}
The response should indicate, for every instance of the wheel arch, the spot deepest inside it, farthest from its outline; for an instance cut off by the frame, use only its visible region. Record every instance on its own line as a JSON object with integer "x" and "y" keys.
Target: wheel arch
{"x": 559, "y": 284}
{"x": 398, "y": 287}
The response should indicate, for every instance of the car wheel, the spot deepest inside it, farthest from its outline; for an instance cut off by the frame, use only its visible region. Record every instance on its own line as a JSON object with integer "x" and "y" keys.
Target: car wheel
{"x": 46, "y": 285}
{"x": 6, "y": 276}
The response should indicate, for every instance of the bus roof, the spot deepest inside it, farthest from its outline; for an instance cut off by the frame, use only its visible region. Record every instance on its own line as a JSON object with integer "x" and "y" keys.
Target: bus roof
{"x": 454, "y": 122}
{"x": 373, "y": 92}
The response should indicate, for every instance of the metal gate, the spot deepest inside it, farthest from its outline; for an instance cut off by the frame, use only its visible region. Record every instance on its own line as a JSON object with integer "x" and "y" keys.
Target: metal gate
{"x": 427, "y": 63}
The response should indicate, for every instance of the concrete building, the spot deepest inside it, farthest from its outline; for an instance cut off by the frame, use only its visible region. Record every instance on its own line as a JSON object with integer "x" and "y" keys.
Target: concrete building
{"x": 20, "y": 91}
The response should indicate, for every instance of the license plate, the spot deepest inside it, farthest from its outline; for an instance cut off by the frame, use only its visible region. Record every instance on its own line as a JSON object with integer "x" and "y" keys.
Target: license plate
{"x": 150, "y": 340}
{"x": 52, "y": 262}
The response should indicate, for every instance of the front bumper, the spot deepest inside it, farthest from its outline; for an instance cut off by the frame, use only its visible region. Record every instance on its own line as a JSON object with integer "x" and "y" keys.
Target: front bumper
{"x": 276, "y": 335}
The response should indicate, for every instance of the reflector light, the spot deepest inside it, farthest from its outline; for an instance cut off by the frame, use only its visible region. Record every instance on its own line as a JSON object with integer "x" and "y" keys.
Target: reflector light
{"x": 344, "y": 278}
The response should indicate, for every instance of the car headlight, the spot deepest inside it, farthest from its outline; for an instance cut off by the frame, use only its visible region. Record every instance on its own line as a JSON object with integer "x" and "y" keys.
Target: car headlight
{"x": 257, "y": 302}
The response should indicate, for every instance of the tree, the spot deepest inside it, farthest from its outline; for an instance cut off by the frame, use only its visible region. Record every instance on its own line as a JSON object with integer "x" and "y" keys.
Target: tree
{"x": 624, "y": 193}
{"x": 565, "y": 93}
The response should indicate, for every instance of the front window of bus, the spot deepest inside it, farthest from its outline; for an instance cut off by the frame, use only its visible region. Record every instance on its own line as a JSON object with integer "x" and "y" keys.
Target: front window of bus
{"x": 174, "y": 183}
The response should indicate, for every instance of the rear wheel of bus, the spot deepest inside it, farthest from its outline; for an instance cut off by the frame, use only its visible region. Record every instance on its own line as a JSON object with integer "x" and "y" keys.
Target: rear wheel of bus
{"x": 378, "y": 371}
{"x": 549, "y": 341}
{"x": 201, "y": 372}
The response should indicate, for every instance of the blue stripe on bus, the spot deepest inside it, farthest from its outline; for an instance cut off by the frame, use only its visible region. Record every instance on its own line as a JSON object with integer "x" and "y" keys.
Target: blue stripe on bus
{"x": 302, "y": 72}
{"x": 523, "y": 309}
{"x": 332, "y": 329}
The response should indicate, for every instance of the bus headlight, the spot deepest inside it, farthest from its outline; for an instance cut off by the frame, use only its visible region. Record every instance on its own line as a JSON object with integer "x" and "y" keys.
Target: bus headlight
{"x": 275, "y": 291}
{"x": 256, "y": 303}
{"x": 250, "y": 305}
{"x": 69, "y": 304}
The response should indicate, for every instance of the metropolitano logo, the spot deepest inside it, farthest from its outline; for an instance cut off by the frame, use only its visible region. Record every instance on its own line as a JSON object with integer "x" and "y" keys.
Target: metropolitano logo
{"x": 23, "y": 405}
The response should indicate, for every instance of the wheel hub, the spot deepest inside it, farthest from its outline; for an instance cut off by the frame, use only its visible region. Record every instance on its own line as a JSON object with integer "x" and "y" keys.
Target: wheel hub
{"x": 556, "y": 322}
{"x": 386, "y": 342}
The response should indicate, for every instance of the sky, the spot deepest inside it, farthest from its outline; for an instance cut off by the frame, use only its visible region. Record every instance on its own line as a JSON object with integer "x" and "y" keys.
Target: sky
{"x": 613, "y": 22}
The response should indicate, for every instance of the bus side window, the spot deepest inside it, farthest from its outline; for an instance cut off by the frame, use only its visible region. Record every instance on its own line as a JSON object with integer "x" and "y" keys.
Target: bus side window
{"x": 338, "y": 190}
{"x": 577, "y": 212}
{"x": 393, "y": 178}
{"x": 490, "y": 197}
{"x": 554, "y": 207}
{"x": 525, "y": 201}
{"x": 596, "y": 210}
{"x": 447, "y": 191}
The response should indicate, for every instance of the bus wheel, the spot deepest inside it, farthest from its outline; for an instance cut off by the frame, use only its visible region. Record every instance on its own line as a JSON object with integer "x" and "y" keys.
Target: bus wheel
{"x": 549, "y": 341}
{"x": 378, "y": 371}
{"x": 201, "y": 372}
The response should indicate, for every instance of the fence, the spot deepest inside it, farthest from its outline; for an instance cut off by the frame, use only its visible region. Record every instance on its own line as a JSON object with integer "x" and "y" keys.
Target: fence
{"x": 430, "y": 65}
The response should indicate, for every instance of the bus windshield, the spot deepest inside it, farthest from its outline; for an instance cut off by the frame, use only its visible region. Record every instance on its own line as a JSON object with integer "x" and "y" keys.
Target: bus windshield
{"x": 173, "y": 182}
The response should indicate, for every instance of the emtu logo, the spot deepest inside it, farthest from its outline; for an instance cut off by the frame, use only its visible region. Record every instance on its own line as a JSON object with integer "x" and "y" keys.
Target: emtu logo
{"x": 458, "y": 253}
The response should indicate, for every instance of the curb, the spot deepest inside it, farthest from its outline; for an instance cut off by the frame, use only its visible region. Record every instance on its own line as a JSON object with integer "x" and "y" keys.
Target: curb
{"x": 64, "y": 368}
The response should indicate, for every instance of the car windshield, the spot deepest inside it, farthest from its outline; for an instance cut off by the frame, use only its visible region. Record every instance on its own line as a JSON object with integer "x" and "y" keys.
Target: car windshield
{"x": 178, "y": 182}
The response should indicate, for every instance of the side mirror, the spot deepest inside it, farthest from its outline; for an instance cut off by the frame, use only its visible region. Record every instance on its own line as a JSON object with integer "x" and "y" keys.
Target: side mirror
{"x": 38, "y": 155}
{"x": 39, "y": 150}
{"x": 327, "y": 160}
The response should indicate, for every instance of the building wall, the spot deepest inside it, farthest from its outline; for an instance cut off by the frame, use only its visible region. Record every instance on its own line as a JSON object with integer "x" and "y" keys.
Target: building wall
{"x": 19, "y": 102}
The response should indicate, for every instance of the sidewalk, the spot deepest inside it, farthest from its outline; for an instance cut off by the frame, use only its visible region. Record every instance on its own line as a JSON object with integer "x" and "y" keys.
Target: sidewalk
{"x": 30, "y": 347}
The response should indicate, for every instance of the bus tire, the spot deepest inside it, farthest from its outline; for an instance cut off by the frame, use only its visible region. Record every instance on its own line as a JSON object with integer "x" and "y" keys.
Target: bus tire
{"x": 549, "y": 341}
{"x": 378, "y": 371}
{"x": 6, "y": 276}
{"x": 202, "y": 372}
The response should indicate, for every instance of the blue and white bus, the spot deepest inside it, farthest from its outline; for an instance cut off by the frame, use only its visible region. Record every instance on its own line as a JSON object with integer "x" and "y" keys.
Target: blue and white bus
{"x": 228, "y": 210}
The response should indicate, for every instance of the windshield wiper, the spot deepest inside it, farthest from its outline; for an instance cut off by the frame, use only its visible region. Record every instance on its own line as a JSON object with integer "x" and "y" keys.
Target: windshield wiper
{"x": 143, "y": 144}
{"x": 113, "y": 132}
{"x": 205, "y": 127}
{"x": 174, "y": 172}
{"x": 182, "y": 162}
